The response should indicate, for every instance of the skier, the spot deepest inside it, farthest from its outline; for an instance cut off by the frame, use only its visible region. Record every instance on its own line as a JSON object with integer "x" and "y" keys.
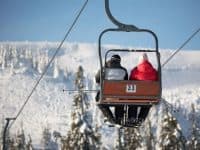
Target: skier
{"x": 143, "y": 71}
{"x": 114, "y": 71}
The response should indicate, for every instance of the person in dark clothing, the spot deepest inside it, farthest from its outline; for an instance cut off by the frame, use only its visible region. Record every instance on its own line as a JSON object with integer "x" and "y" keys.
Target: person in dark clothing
{"x": 114, "y": 71}
{"x": 97, "y": 76}
{"x": 105, "y": 109}
{"x": 97, "y": 79}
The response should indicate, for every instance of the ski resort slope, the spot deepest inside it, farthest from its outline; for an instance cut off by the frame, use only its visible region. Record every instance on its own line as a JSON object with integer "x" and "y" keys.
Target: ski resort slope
{"x": 21, "y": 65}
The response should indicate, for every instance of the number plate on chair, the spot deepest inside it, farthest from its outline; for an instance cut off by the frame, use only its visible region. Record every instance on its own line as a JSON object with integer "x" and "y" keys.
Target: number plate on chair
{"x": 130, "y": 88}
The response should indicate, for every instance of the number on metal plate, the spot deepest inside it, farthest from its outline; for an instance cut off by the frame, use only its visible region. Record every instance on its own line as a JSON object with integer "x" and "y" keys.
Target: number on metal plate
{"x": 130, "y": 88}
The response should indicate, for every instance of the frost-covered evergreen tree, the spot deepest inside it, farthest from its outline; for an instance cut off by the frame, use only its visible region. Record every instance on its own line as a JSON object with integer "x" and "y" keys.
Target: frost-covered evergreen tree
{"x": 18, "y": 142}
{"x": 55, "y": 69}
{"x": 21, "y": 140}
{"x": 149, "y": 137}
{"x": 194, "y": 143}
{"x": 8, "y": 56}
{"x": 47, "y": 140}
{"x": 171, "y": 136}
{"x": 82, "y": 135}
{"x": 13, "y": 56}
{"x": 41, "y": 61}
{"x": 12, "y": 144}
{"x": 128, "y": 139}
{"x": 119, "y": 144}
{"x": 132, "y": 138}
{"x": 29, "y": 145}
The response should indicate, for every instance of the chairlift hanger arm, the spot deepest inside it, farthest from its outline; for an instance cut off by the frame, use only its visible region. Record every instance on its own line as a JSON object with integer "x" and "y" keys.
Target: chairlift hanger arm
{"x": 126, "y": 27}
{"x": 115, "y": 21}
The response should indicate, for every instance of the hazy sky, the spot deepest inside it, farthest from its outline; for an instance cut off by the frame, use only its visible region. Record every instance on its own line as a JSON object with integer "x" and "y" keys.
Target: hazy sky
{"x": 48, "y": 20}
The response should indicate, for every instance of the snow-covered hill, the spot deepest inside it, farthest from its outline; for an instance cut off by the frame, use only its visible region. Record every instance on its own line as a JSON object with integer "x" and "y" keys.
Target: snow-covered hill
{"x": 21, "y": 64}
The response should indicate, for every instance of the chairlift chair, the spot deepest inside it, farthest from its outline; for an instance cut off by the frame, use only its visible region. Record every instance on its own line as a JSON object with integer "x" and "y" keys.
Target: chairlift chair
{"x": 129, "y": 92}
{"x": 124, "y": 92}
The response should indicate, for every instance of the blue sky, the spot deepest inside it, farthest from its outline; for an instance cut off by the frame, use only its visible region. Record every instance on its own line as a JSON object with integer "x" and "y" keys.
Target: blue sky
{"x": 48, "y": 20}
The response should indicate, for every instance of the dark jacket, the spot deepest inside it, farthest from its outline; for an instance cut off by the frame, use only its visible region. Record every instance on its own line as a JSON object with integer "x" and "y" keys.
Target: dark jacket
{"x": 113, "y": 71}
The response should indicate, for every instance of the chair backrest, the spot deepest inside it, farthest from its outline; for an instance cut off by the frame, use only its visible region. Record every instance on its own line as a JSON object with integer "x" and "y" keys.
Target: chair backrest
{"x": 143, "y": 92}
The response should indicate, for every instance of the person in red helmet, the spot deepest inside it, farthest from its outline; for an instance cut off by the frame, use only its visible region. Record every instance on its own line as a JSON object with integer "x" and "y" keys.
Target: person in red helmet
{"x": 143, "y": 71}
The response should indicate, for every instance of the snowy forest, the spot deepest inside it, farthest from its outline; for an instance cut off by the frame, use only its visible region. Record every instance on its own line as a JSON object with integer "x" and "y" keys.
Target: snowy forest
{"x": 56, "y": 119}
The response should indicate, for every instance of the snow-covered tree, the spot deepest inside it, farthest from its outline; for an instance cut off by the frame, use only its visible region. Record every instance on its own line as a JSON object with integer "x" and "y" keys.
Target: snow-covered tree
{"x": 119, "y": 144}
{"x": 13, "y": 56}
{"x": 81, "y": 135}
{"x": 21, "y": 140}
{"x": 128, "y": 139}
{"x": 194, "y": 143}
{"x": 41, "y": 61}
{"x": 132, "y": 138}
{"x": 17, "y": 142}
{"x": 46, "y": 137}
{"x": 47, "y": 140}
{"x": 149, "y": 136}
{"x": 29, "y": 145}
{"x": 171, "y": 136}
{"x": 11, "y": 145}
{"x": 55, "y": 69}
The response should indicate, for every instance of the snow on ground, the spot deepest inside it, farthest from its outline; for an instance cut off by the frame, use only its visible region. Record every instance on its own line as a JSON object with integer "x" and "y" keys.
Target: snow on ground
{"x": 21, "y": 64}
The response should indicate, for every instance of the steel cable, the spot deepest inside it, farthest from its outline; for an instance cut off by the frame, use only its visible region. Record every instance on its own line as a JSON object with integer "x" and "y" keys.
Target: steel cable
{"x": 48, "y": 65}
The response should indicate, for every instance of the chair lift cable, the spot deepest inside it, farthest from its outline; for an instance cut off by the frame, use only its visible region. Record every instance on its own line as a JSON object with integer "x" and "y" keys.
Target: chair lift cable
{"x": 53, "y": 57}
{"x": 187, "y": 41}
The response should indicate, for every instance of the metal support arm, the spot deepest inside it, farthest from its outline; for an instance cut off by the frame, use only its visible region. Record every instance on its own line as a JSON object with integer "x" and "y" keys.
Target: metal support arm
{"x": 116, "y": 22}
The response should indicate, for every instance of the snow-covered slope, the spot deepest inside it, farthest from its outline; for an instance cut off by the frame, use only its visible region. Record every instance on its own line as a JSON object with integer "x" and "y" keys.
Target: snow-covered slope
{"x": 21, "y": 64}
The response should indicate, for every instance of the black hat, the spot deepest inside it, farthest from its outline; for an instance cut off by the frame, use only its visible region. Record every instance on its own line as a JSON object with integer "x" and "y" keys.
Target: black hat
{"x": 116, "y": 57}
